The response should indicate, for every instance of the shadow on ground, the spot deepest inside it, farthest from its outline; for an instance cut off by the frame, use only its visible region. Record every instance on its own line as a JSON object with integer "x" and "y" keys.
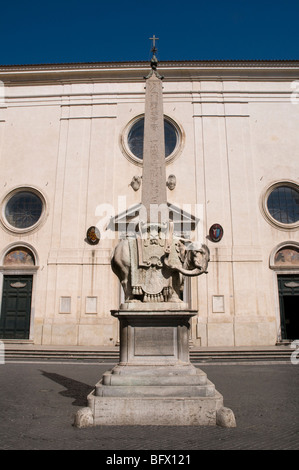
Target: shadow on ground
{"x": 74, "y": 389}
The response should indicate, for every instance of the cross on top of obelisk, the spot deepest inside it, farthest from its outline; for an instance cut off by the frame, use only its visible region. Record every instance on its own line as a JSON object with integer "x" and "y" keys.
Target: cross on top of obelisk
{"x": 154, "y": 60}
{"x": 154, "y": 39}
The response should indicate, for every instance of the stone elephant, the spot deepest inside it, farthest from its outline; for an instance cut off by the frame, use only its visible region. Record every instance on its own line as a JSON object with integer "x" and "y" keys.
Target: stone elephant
{"x": 153, "y": 270}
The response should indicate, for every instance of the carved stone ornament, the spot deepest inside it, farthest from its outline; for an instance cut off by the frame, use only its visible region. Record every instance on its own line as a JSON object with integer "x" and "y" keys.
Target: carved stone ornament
{"x": 171, "y": 182}
{"x": 18, "y": 285}
{"x": 291, "y": 284}
{"x": 136, "y": 183}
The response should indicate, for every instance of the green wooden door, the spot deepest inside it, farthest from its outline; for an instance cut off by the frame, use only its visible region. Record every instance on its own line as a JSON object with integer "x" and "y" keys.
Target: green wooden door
{"x": 288, "y": 287}
{"x": 16, "y": 307}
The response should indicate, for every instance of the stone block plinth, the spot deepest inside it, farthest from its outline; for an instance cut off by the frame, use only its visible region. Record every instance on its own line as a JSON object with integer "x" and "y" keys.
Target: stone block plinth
{"x": 154, "y": 382}
{"x": 154, "y": 335}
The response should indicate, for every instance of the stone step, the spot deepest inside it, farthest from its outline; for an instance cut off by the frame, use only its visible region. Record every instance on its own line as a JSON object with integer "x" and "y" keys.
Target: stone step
{"x": 244, "y": 355}
{"x": 152, "y": 379}
{"x": 112, "y": 355}
{"x": 160, "y": 390}
{"x": 61, "y": 354}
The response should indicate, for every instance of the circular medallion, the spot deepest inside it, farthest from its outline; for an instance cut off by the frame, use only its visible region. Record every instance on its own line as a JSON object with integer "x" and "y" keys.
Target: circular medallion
{"x": 216, "y": 232}
{"x": 93, "y": 235}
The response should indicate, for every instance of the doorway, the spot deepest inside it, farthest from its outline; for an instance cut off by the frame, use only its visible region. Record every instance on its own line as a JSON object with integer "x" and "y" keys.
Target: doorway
{"x": 16, "y": 307}
{"x": 288, "y": 287}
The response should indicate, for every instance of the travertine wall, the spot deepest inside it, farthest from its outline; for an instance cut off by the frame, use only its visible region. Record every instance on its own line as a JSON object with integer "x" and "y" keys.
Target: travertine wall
{"x": 61, "y": 134}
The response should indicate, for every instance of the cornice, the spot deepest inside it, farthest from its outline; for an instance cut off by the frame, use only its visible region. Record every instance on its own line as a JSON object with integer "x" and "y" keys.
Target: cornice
{"x": 135, "y": 70}
{"x": 162, "y": 64}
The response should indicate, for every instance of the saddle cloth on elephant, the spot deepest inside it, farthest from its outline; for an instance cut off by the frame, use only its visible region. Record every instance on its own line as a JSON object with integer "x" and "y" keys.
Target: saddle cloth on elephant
{"x": 149, "y": 275}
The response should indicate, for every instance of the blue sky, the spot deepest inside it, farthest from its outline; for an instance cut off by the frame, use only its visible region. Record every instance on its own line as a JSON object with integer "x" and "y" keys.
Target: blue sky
{"x": 36, "y": 31}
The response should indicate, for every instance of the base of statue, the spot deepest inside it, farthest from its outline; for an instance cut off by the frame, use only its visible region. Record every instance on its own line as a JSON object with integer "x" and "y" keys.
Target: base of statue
{"x": 154, "y": 382}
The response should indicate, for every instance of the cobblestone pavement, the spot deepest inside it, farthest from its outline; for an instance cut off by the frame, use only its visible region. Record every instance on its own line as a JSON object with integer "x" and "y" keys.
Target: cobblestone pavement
{"x": 38, "y": 402}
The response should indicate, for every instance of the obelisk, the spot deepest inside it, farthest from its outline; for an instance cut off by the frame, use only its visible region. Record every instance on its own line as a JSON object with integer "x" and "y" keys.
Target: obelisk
{"x": 154, "y": 381}
{"x": 154, "y": 170}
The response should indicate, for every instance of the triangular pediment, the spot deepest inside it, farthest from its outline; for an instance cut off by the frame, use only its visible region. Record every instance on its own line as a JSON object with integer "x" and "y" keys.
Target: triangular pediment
{"x": 126, "y": 221}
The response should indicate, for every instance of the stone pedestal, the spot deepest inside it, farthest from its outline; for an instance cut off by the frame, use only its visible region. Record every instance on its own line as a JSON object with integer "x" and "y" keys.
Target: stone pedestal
{"x": 154, "y": 382}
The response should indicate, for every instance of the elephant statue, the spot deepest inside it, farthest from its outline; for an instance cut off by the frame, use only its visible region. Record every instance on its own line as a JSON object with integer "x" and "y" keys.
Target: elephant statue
{"x": 151, "y": 267}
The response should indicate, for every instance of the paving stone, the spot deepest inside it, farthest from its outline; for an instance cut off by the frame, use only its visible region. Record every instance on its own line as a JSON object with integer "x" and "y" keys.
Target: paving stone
{"x": 39, "y": 401}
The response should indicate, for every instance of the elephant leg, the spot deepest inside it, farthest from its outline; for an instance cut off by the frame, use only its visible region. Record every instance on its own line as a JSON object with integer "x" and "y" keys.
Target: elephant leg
{"x": 128, "y": 291}
{"x": 176, "y": 285}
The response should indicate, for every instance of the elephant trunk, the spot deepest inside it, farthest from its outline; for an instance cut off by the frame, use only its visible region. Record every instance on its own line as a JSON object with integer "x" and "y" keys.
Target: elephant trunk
{"x": 191, "y": 272}
{"x": 186, "y": 272}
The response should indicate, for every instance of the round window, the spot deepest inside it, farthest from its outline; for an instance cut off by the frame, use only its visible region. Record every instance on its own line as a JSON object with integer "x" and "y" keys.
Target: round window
{"x": 23, "y": 209}
{"x": 283, "y": 204}
{"x": 132, "y": 139}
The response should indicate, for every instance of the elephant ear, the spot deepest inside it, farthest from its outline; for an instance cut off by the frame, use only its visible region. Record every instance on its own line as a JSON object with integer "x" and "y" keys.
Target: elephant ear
{"x": 207, "y": 251}
{"x": 201, "y": 247}
{"x": 181, "y": 249}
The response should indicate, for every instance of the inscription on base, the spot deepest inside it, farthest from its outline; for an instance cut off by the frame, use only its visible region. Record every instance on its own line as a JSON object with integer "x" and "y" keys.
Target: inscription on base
{"x": 154, "y": 341}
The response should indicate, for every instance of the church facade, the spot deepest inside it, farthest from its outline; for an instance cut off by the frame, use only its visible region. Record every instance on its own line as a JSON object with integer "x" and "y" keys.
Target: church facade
{"x": 71, "y": 140}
